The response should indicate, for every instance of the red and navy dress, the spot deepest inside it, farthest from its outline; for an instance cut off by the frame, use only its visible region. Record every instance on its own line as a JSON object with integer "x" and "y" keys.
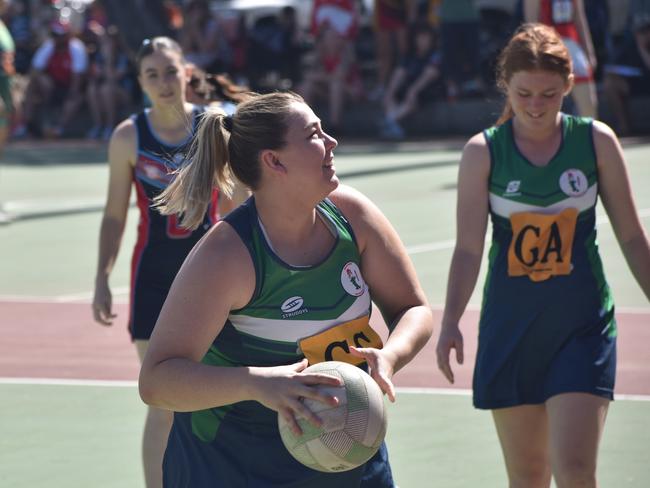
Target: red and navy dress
{"x": 162, "y": 244}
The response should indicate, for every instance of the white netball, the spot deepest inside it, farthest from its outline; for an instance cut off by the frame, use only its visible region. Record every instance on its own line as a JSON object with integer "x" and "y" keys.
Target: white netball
{"x": 352, "y": 431}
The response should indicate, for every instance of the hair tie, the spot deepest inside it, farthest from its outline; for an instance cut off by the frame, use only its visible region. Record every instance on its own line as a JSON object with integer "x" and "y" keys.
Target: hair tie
{"x": 227, "y": 123}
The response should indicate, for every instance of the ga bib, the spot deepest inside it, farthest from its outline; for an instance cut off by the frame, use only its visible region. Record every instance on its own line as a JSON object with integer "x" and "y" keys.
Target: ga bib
{"x": 333, "y": 344}
{"x": 541, "y": 244}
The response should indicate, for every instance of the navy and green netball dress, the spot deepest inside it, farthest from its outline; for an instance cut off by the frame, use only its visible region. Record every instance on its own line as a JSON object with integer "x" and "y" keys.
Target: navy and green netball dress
{"x": 162, "y": 244}
{"x": 295, "y": 312}
{"x": 547, "y": 320}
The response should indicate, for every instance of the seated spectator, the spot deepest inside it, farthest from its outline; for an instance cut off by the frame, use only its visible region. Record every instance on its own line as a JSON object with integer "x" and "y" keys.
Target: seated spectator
{"x": 390, "y": 24}
{"x": 629, "y": 75}
{"x": 110, "y": 84}
{"x": 412, "y": 82}
{"x": 57, "y": 76}
{"x": 459, "y": 47}
{"x": 335, "y": 27}
{"x": 274, "y": 51}
{"x": 200, "y": 38}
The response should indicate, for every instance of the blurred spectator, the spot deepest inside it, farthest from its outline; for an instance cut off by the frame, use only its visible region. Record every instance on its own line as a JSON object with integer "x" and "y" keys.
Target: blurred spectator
{"x": 569, "y": 19}
{"x": 629, "y": 75}
{"x": 597, "y": 12}
{"x": 391, "y": 19}
{"x": 42, "y": 14}
{"x": 18, "y": 22}
{"x": 7, "y": 70}
{"x": 96, "y": 12}
{"x": 496, "y": 25}
{"x": 234, "y": 50}
{"x": 413, "y": 82}
{"x": 335, "y": 25}
{"x": 459, "y": 47}
{"x": 275, "y": 48}
{"x": 110, "y": 84}
{"x": 209, "y": 89}
{"x": 200, "y": 38}
{"x": 58, "y": 74}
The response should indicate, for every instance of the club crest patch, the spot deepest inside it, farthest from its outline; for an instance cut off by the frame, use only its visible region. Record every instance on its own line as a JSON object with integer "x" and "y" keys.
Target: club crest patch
{"x": 573, "y": 182}
{"x": 352, "y": 280}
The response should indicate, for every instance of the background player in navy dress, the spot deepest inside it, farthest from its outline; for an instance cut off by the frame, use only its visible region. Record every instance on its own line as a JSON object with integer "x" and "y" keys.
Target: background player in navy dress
{"x": 144, "y": 150}
{"x": 547, "y": 335}
{"x": 227, "y": 373}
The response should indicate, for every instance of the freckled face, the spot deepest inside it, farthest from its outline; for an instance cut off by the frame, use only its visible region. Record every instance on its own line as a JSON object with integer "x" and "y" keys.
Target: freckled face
{"x": 536, "y": 96}
{"x": 163, "y": 77}
{"x": 308, "y": 154}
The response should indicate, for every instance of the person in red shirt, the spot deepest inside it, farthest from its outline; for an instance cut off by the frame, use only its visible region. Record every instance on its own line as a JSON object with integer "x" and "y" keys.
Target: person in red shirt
{"x": 568, "y": 18}
{"x": 335, "y": 25}
{"x": 57, "y": 76}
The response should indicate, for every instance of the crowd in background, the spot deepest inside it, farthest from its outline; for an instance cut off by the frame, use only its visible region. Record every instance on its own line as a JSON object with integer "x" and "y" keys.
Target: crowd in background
{"x": 399, "y": 54}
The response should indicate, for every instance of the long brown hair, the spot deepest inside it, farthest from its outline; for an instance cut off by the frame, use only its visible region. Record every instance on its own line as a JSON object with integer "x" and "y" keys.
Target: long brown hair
{"x": 533, "y": 47}
{"x": 224, "y": 146}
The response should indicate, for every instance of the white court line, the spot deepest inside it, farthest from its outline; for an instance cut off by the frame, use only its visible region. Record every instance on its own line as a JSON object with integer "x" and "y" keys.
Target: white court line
{"x": 67, "y": 382}
{"x": 466, "y": 392}
{"x": 124, "y": 291}
{"x": 449, "y": 244}
{"x": 82, "y": 297}
{"x": 133, "y": 384}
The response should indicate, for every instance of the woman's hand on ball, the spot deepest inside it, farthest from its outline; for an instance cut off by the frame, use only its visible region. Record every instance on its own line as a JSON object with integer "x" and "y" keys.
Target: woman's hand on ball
{"x": 379, "y": 367}
{"x": 283, "y": 389}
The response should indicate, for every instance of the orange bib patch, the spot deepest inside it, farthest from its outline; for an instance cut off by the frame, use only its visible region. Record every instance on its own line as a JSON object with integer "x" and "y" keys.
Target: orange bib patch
{"x": 541, "y": 244}
{"x": 334, "y": 343}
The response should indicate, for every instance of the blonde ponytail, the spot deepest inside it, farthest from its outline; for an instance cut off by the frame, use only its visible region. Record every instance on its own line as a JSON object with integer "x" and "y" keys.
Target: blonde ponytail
{"x": 190, "y": 192}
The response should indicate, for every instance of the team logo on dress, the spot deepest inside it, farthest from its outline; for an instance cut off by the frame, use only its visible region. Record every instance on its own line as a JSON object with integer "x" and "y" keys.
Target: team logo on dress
{"x": 292, "y": 307}
{"x": 292, "y": 304}
{"x": 352, "y": 280}
{"x": 513, "y": 188}
{"x": 574, "y": 183}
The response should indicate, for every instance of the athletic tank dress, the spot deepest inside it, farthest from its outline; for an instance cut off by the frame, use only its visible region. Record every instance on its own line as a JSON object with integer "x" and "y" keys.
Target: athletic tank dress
{"x": 295, "y": 312}
{"x": 162, "y": 245}
{"x": 547, "y": 321}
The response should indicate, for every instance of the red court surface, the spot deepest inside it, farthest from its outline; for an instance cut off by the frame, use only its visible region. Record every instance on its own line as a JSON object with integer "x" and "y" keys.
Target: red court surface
{"x": 61, "y": 341}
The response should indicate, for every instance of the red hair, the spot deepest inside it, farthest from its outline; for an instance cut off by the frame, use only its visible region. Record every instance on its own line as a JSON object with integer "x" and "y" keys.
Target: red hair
{"x": 534, "y": 47}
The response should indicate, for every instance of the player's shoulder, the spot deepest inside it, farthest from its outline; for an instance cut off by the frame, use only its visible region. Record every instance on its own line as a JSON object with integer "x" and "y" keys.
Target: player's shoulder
{"x": 606, "y": 144}
{"x": 125, "y": 132}
{"x": 362, "y": 214}
{"x": 222, "y": 249}
{"x": 476, "y": 150}
{"x": 123, "y": 142}
{"x": 350, "y": 201}
{"x": 602, "y": 132}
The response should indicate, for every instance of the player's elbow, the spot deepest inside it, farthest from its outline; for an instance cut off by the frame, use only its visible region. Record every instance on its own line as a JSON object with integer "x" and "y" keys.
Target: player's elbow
{"x": 147, "y": 387}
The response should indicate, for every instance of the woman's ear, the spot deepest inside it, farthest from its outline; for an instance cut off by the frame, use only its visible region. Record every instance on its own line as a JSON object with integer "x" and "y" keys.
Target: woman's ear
{"x": 271, "y": 163}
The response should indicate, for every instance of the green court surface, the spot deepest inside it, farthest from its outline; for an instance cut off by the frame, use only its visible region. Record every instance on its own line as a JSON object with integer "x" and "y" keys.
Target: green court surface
{"x": 73, "y": 436}
{"x": 82, "y": 436}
